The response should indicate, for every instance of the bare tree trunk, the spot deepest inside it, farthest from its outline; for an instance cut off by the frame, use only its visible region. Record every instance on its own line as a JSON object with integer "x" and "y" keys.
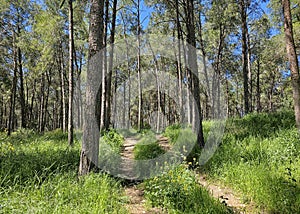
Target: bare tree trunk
{"x": 110, "y": 65}
{"x": 22, "y": 94}
{"x": 104, "y": 70}
{"x": 42, "y": 103}
{"x": 250, "y": 85}
{"x": 192, "y": 63}
{"x": 157, "y": 89}
{"x": 71, "y": 75}
{"x": 208, "y": 92}
{"x": 258, "y": 105}
{"x": 243, "y": 12}
{"x": 291, "y": 52}
{"x": 90, "y": 141}
{"x": 62, "y": 88}
{"x": 179, "y": 63}
{"x": 140, "y": 105}
{"x": 11, "y": 119}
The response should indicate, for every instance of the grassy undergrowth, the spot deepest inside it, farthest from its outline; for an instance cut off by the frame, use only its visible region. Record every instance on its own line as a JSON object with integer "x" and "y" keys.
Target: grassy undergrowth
{"x": 38, "y": 174}
{"x": 260, "y": 158}
{"x": 178, "y": 192}
{"x": 147, "y": 147}
{"x": 176, "y": 188}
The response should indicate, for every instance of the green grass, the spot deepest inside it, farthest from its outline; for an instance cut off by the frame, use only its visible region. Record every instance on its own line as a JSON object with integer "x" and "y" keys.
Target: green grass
{"x": 38, "y": 174}
{"x": 147, "y": 147}
{"x": 178, "y": 192}
{"x": 260, "y": 158}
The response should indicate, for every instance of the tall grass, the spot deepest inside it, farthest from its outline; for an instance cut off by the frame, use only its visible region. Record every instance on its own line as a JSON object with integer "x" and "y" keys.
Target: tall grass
{"x": 260, "y": 158}
{"x": 178, "y": 192}
{"x": 38, "y": 174}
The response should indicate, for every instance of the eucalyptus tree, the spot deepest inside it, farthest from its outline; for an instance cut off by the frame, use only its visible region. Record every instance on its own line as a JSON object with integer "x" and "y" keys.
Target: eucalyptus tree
{"x": 292, "y": 56}
{"x": 90, "y": 141}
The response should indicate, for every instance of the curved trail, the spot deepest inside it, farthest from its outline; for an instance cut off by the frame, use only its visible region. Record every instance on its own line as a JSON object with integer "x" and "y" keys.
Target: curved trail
{"x": 136, "y": 203}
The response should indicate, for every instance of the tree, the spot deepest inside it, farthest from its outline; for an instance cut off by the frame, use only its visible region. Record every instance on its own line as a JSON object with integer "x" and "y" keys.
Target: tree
{"x": 292, "y": 56}
{"x": 192, "y": 62}
{"x": 91, "y": 126}
{"x": 71, "y": 74}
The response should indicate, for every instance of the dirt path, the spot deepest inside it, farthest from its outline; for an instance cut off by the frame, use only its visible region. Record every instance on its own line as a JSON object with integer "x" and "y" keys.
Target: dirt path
{"x": 127, "y": 160}
{"x": 137, "y": 201}
{"x": 223, "y": 194}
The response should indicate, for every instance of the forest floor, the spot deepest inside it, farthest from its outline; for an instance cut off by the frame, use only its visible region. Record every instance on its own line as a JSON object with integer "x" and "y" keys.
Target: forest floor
{"x": 137, "y": 202}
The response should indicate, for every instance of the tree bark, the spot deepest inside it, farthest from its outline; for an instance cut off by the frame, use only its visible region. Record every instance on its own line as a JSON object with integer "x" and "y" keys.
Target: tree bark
{"x": 258, "y": 105}
{"x": 71, "y": 74}
{"x": 192, "y": 63}
{"x": 110, "y": 66}
{"x": 243, "y": 12}
{"x": 90, "y": 141}
{"x": 140, "y": 105}
{"x": 11, "y": 123}
{"x": 292, "y": 56}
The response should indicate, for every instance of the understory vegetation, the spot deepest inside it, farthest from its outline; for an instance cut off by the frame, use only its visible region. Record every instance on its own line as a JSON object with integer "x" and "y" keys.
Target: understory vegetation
{"x": 259, "y": 158}
{"x": 38, "y": 174}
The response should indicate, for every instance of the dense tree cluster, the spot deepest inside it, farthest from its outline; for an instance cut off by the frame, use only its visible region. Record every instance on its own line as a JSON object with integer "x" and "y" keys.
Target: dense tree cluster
{"x": 44, "y": 51}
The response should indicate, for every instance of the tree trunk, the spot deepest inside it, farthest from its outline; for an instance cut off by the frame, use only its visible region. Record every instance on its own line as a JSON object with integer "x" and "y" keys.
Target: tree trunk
{"x": 90, "y": 140}
{"x": 249, "y": 71}
{"x": 110, "y": 66}
{"x": 291, "y": 52}
{"x": 62, "y": 89}
{"x": 258, "y": 105}
{"x": 71, "y": 75}
{"x": 243, "y": 12}
{"x": 11, "y": 124}
{"x": 192, "y": 63}
{"x": 22, "y": 94}
{"x": 140, "y": 105}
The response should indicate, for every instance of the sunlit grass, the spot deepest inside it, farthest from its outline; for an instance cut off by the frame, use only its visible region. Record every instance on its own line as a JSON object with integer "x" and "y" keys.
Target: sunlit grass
{"x": 38, "y": 174}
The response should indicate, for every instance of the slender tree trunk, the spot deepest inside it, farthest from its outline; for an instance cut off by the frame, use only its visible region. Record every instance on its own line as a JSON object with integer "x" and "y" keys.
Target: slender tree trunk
{"x": 22, "y": 94}
{"x": 243, "y": 12}
{"x": 104, "y": 71}
{"x": 42, "y": 103}
{"x": 13, "y": 92}
{"x": 140, "y": 105}
{"x": 291, "y": 52}
{"x": 179, "y": 63}
{"x": 208, "y": 92}
{"x": 192, "y": 63}
{"x": 110, "y": 65}
{"x": 71, "y": 75}
{"x": 62, "y": 88}
{"x": 258, "y": 105}
{"x": 90, "y": 141}
{"x": 157, "y": 89}
{"x": 250, "y": 85}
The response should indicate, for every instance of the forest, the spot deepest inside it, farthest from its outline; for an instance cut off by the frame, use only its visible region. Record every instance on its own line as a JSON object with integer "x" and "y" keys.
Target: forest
{"x": 149, "y": 106}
